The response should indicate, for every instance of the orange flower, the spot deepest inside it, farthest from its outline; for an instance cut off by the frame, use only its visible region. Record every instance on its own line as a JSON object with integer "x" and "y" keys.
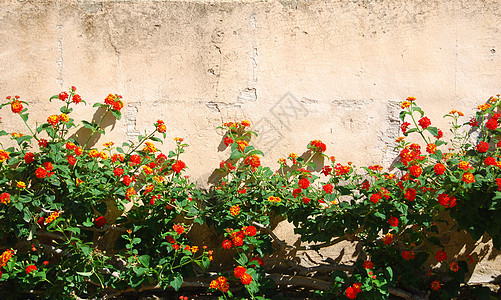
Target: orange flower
{"x": 150, "y": 148}
{"x": 214, "y": 284}
{"x": 388, "y": 238}
{"x": 5, "y": 198}
{"x": 64, "y": 118}
{"x": 235, "y": 210}
{"x": 129, "y": 193}
{"x": 16, "y": 106}
{"x": 108, "y": 145}
{"x": 274, "y": 199}
{"x": 484, "y": 106}
{"x": 4, "y": 258}
{"x": 239, "y": 271}
{"x": 94, "y": 153}
{"x": 454, "y": 266}
{"x": 242, "y": 145}
{"x": 246, "y": 278}
{"x": 431, "y": 148}
{"x": 21, "y": 185}
{"x": 53, "y": 120}
{"x": 78, "y": 181}
{"x": 468, "y": 178}
{"x": 252, "y": 161}
{"x": 405, "y": 104}
{"x": 410, "y": 98}
{"x": 52, "y": 217}
{"x": 435, "y": 285}
{"x": 4, "y": 155}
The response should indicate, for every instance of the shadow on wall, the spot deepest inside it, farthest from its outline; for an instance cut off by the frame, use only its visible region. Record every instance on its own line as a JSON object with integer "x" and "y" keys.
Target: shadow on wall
{"x": 84, "y": 135}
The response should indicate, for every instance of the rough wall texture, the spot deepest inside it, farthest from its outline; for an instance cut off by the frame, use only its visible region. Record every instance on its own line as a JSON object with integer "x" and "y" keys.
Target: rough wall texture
{"x": 298, "y": 70}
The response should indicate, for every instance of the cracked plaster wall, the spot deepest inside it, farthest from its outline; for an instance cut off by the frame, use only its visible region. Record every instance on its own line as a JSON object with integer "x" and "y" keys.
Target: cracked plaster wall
{"x": 298, "y": 70}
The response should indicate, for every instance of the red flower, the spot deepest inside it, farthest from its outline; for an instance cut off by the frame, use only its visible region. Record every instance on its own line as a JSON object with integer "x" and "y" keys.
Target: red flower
{"x": 408, "y": 255}
{"x": 48, "y": 166}
{"x": 307, "y": 200}
{"x": 431, "y": 148}
{"x": 63, "y": 96}
{"x": 435, "y": 285}
{"x": 468, "y": 178}
{"x": 375, "y": 198}
{"x": 40, "y": 173}
{"x": 238, "y": 240}
{"x": 228, "y": 141}
{"x": 178, "y": 229}
{"x": 250, "y": 231}
{"x": 304, "y": 183}
{"x": 258, "y": 260}
{"x": 246, "y": 279}
{"x": 366, "y": 185}
{"x": 296, "y": 192}
{"x": 29, "y": 157}
{"x": 492, "y": 124}
{"x": 239, "y": 271}
{"x": 317, "y": 146}
{"x": 227, "y": 244}
{"x": 42, "y": 143}
{"x": 393, "y": 221}
{"x": 100, "y": 221}
{"x": 410, "y": 194}
{"x": 16, "y": 106}
{"x": 134, "y": 160}
{"x": 439, "y": 169}
{"x": 45, "y": 262}
{"x": 326, "y": 170}
{"x": 388, "y": 238}
{"x": 415, "y": 170}
{"x": 441, "y": 256}
{"x": 473, "y": 122}
{"x": 5, "y": 198}
{"x": 127, "y": 180}
{"x": 482, "y": 147}
{"x": 30, "y": 268}
{"x": 439, "y": 135}
{"x": 404, "y": 127}
{"x": 368, "y": 264}
{"x": 328, "y": 188}
{"x": 76, "y": 99}
{"x": 71, "y": 160}
{"x": 351, "y": 293}
{"x": 252, "y": 161}
{"x": 424, "y": 122}
{"x": 454, "y": 266}
{"x": 178, "y": 166}
{"x": 118, "y": 172}
{"x": 490, "y": 161}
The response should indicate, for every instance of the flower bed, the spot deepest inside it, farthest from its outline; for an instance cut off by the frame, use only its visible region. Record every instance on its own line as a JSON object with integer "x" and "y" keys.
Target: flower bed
{"x": 78, "y": 221}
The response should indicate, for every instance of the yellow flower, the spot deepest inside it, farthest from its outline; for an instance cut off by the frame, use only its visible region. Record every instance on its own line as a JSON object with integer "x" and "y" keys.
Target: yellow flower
{"x": 21, "y": 185}
{"x": 64, "y": 118}
{"x": 274, "y": 199}
{"x": 52, "y": 217}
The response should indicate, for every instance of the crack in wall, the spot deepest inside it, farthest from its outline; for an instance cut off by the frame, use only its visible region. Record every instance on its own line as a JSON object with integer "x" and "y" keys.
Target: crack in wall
{"x": 60, "y": 59}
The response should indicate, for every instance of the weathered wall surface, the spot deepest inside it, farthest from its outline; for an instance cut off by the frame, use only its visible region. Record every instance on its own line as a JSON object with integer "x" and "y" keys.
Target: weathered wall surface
{"x": 298, "y": 70}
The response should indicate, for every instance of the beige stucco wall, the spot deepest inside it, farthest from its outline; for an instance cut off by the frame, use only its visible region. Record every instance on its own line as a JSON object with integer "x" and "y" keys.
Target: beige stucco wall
{"x": 298, "y": 70}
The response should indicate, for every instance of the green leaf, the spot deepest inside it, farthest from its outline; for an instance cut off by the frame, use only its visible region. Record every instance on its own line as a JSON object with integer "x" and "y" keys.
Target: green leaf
{"x": 155, "y": 139}
{"x": 25, "y": 117}
{"x": 86, "y": 274}
{"x": 432, "y": 130}
{"x": 177, "y": 282}
{"x": 145, "y": 260}
{"x": 205, "y": 262}
{"x": 235, "y": 154}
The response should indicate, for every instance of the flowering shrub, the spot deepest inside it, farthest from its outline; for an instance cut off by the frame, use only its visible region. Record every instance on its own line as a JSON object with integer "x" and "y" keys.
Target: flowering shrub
{"x": 78, "y": 220}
